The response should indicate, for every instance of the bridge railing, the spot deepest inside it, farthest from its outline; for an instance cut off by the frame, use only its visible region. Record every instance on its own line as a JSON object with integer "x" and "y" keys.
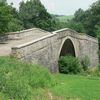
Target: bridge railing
{"x": 77, "y": 35}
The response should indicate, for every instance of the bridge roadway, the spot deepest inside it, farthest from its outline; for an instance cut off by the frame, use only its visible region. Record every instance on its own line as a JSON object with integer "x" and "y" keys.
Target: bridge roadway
{"x": 19, "y": 38}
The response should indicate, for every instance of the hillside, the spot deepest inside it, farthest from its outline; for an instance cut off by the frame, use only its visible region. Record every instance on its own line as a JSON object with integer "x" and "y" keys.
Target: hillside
{"x": 64, "y": 18}
{"x": 24, "y": 81}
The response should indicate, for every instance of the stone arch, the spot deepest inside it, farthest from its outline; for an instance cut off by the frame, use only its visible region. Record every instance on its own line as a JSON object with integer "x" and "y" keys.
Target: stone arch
{"x": 68, "y": 47}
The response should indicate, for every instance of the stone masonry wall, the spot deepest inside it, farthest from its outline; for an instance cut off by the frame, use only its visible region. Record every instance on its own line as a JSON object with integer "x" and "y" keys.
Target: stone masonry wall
{"x": 89, "y": 48}
{"x": 46, "y": 50}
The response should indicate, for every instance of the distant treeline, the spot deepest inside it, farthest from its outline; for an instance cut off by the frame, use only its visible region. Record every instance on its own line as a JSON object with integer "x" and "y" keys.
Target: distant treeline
{"x": 30, "y": 14}
{"x": 33, "y": 14}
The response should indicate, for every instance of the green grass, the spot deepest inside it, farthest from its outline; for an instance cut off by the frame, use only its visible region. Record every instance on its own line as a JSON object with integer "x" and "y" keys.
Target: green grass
{"x": 77, "y": 87}
{"x": 20, "y": 80}
{"x": 65, "y": 18}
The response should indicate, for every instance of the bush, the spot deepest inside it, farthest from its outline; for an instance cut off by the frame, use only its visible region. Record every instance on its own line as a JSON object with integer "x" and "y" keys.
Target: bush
{"x": 93, "y": 72}
{"x": 85, "y": 62}
{"x": 17, "y": 79}
{"x": 69, "y": 65}
{"x": 98, "y": 67}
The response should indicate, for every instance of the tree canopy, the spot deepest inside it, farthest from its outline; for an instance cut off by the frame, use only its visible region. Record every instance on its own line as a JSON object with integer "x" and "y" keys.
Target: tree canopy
{"x": 90, "y": 19}
{"x": 33, "y": 14}
{"x": 9, "y": 18}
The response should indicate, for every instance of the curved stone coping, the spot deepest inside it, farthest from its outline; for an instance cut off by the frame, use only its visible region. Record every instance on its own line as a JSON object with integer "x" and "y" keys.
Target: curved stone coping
{"x": 81, "y": 35}
{"x": 23, "y": 31}
{"x": 18, "y": 32}
{"x": 64, "y": 29}
{"x": 55, "y": 32}
{"x": 32, "y": 42}
{"x": 84, "y": 37}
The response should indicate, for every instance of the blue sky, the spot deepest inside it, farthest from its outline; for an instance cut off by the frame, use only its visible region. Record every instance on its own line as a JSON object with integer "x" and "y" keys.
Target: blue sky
{"x": 61, "y": 7}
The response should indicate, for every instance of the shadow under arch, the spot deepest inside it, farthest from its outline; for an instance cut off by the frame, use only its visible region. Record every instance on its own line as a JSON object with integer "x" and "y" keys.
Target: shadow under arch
{"x": 67, "y": 48}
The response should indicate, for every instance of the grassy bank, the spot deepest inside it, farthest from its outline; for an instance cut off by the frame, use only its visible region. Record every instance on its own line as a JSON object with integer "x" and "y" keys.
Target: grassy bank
{"x": 19, "y": 80}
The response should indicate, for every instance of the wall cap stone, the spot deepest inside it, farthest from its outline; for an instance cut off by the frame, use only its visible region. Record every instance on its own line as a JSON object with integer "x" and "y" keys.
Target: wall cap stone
{"x": 80, "y": 36}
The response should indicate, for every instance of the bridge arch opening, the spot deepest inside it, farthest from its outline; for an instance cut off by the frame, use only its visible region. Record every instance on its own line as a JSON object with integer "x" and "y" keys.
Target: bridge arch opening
{"x": 67, "y": 49}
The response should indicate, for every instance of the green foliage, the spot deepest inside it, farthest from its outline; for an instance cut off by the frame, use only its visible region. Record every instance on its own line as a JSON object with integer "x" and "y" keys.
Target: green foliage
{"x": 70, "y": 22}
{"x": 84, "y": 21}
{"x": 98, "y": 67}
{"x": 99, "y": 52}
{"x": 89, "y": 18}
{"x": 92, "y": 72}
{"x": 15, "y": 25}
{"x": 5, "y": 17}
{"x": 97, "y": 30}
{"x": 33, "y": 14}
{"x": 76, "y": 26}
{"x": 24, "y": 81}
{"x": 85, "y": 62}
{"x": 69, "y": 65}
{"x": 17, "y": 79}
{"x": 9, "y": 20}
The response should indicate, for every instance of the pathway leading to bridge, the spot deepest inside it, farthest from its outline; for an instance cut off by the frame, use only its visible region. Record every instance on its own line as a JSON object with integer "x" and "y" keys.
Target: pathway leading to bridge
{"x": 5, "y": 48}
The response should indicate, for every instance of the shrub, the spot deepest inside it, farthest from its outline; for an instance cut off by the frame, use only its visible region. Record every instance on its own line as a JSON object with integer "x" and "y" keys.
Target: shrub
{"x": 98, "y": 67}
{"x": 69, "y": 65}
{"x": 85, "y": 62}
{"x": 17, "y": 79}
{"x": 92, "y": 72}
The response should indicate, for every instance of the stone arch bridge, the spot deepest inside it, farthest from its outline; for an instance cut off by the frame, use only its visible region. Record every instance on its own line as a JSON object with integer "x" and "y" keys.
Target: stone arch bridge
{"x": 39, "y": 46}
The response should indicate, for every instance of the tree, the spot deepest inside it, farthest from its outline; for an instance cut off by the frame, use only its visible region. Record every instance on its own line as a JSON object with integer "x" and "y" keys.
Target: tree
{"x": 78, "y": 16}
{"x": 89, "y": 18}
{"x": 77, "y": 26}
{"x": 9, "y": 19}
{"x": 15, "y": 24}
{"x": 33, "y": 14}
{"x": 5, "y": 17}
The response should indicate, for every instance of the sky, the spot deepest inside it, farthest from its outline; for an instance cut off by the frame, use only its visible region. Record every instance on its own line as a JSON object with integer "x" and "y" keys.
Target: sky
{"x": 61, "y": 7}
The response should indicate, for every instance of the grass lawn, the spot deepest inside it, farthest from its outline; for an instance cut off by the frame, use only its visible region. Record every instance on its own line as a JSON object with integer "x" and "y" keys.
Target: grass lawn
{"x": 77, "y": 87}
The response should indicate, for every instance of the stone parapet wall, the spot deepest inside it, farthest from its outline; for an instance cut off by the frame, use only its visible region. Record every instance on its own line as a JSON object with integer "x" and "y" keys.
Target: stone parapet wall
{"x": 37, "y": 51}
{"x": 46, "y": 50}
{"x": 25, "y": 33}
{"x": 75, "y": 34}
